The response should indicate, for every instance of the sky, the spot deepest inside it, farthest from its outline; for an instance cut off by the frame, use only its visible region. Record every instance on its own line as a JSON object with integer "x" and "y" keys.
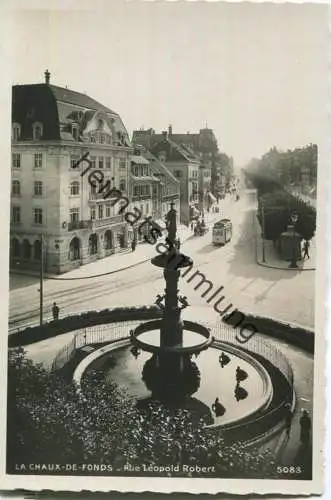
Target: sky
{"x": 254, "y": 73}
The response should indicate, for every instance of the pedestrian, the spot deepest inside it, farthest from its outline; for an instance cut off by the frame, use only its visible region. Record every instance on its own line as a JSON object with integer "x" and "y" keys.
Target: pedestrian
{"x": 192, "y": 226}
{"x": 306, "y": 250}
{"x": 305, "y": 428}
{"x": 288, "y": 418}
{"x": 133, "y": 245}
{"x": 55, "y": 311}
{"x": 178, "y": 244}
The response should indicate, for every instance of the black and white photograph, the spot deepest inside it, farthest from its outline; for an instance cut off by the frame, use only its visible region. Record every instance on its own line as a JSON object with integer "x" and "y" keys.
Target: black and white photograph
{"x": 166, "y": 247}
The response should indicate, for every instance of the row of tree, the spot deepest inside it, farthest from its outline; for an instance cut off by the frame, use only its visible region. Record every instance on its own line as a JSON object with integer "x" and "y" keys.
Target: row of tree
{"x": 275, "y": 210}
{"x": 287, "y": 167}
{"x": 50, "y": 422}
{"x": 271, "y": 175}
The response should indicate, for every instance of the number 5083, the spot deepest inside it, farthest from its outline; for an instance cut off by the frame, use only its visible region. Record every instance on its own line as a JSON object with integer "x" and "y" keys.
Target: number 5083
{"x": 289, "y": 470}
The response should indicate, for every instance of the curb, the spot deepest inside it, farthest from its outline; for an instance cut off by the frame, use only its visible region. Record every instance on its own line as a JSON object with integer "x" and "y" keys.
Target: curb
{"x": 269, "y": 266}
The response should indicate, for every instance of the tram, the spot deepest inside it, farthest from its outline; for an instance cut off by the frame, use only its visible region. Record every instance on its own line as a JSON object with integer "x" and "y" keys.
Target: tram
{"x": 222, "y": 232}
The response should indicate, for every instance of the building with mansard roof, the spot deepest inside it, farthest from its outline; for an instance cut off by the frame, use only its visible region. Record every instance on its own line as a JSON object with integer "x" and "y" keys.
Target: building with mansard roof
{"x": 52, "y": 128}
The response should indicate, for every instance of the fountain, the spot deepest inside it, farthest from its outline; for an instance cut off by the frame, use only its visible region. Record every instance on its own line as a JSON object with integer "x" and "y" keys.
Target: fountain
{"x": 170, "y": 374}
{"x": 228, "y": 385}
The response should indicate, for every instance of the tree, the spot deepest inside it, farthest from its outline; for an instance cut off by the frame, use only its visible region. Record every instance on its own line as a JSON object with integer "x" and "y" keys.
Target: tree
{"x": 50, "y": 421}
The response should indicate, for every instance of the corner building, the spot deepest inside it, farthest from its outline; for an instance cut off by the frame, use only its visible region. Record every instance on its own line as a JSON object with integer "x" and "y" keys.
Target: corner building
{"x": 52, "y": 128}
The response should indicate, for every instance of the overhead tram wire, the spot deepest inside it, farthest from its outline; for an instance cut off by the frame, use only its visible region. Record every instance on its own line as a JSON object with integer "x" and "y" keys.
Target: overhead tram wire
{"x": 85, "y": 277}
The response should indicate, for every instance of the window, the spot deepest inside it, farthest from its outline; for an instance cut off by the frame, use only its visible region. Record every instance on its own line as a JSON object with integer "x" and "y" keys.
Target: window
{"x": 74, "y": 215}
{"x": 108, "y": 162}
{"x": 92, "y": 139}
{"x": 108, "y": 139}
{"x": 93, "y": 161}
{"x": 147, "y": 208}
{"x": 16, "y": 215}
{"x": 100, "y": 211}
{"x": 136, "y": 191}
{"x": 16, "y": 188}
{"x": 93, "y": 189}
{"x": 108, "y": 211}
{"x": 136, "y": 170}
{"x": 16, "y": 133}
{"x": 38, "y": 215}
{"x": 92, "y": 213}
{"x": 100, "y": 161}
{"x": 73, "y": 162}
{"x": 16, "y": 160}
{"x": 38, "y": 160}
{"x": 74, "y": 188}
{"x": 178, "y": 173}
{"x": 102, "y": 138}
{"x": 122, "y": 163}
{"x": 37, "y": 131}
{"x": 122, "y": 185}
{"x": 38, "y": 188}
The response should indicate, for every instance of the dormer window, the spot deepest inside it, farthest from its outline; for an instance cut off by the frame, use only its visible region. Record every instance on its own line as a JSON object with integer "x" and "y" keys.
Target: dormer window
{"x": 16, "y": 132}
{"x": 37, "y": 131}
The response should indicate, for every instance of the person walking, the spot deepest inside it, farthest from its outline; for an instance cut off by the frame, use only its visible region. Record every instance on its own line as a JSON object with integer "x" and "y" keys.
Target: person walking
{"x": 306, "y": 246}
{"x": 305, "y": 428}
{"x": 133, "y": 245}
{"x": 192, "y": 226}
{"x": 178, "y": 244}
{"x": 55, "y": 311}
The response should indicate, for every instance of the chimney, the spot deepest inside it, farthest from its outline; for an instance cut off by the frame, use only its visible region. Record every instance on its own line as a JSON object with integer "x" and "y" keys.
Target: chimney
{"x": 170, "y": 130}
{"x": 165, "y": 134}
{"x": 47, "y": 76}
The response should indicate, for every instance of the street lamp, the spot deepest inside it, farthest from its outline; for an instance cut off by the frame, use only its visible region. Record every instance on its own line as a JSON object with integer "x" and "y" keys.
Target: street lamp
{"x": 294, "y": 220}
{"x": 263, "y": 230}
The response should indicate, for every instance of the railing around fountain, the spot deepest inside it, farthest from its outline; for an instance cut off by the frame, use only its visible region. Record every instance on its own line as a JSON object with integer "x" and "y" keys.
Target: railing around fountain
{"x": 97, "y": 334}
{"x": 118, "y": 331}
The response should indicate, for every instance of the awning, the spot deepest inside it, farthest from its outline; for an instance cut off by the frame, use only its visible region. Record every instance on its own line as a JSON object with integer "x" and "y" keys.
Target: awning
{"x": 195, "y": 212}
{"x": 159, "y": 224}
{"x": 212, "y": 197}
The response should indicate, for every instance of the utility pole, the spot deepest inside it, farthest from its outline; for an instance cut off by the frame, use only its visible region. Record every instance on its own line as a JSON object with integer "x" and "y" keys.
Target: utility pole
{"x": 41, "y": 280}
{"x": 263, "y": 230}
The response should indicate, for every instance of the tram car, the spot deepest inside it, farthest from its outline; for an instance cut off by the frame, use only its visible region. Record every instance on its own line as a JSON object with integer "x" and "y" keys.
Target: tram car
{"x": 222, "y": 232}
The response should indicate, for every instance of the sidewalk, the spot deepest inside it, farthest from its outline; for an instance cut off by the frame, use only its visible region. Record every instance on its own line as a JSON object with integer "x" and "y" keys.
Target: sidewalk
{"x": 113, "y": 263}
{"x": 271, "y": 257}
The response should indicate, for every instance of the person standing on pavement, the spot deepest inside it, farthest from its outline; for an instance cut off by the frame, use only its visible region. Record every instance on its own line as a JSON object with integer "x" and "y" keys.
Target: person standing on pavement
{"x": 133, "y": 245}
{"x": 305, "y": 428}
{"x": 55, "y": 311}
{"x": 178, "y": 244}
{"x": 306, "y": 246}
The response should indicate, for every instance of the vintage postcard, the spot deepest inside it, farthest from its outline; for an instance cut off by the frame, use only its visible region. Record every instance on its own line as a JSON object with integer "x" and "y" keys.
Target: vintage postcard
{"x": 165, "y": 175}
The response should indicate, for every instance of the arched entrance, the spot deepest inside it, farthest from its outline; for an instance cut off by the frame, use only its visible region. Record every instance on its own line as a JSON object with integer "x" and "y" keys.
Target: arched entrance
{"x": 74, "y": 249}
{"x": 27, "y": 249}
{"x": 93, "y": 244}
{"x": 37, "y": 250}
{"x": 15, "y": 248}
{"x": 109, "y": 240}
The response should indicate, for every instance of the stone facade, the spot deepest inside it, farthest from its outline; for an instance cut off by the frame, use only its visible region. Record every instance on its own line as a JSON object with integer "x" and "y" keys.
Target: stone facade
{"x": 52, "y": 199}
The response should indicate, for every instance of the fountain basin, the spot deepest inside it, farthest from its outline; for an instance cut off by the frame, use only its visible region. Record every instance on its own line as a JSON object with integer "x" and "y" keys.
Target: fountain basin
{"x": 196, "y": 338}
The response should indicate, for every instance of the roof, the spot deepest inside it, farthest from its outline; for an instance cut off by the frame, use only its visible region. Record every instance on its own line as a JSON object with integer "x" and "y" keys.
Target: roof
{"x": 77, "y": 98}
